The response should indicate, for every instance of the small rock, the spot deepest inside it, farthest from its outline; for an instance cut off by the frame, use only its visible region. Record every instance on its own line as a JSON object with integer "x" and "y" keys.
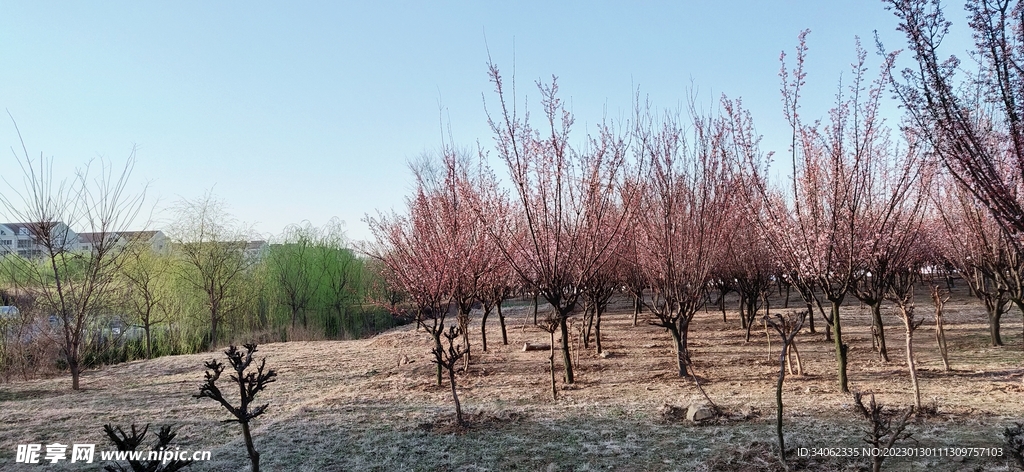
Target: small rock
{"x": 535, "y": 347}
{"x": 748, "y": 412}
{"x": 699, "y": 412}
{"x": 403, "y": 360}
{"x": 605, "y": 354}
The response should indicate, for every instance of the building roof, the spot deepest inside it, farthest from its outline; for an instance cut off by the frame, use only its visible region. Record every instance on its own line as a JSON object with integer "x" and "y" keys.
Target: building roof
{"x": 31, "y": 227}
{"x": 89, "y": 238}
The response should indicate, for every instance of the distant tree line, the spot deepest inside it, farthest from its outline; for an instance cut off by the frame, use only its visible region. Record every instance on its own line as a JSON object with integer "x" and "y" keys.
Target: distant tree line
{"x": 121, "y": 300}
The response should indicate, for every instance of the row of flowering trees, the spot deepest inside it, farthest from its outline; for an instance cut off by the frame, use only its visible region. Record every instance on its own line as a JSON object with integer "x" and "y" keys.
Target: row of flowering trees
{"x": 670, "y": 208}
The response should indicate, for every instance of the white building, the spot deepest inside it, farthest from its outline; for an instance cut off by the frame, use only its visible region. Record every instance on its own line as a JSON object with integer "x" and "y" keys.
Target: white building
{"x": 156, "y": 240}
{"x": 24, "y": 239}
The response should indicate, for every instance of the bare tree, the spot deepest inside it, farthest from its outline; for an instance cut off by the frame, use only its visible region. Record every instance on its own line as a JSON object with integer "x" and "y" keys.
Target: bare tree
{"x": 249, "y": 385}
{"x": 550, "y": 325}
{"x": 901, "y": 292}
{"x": 447, "y": 356}
{"x": 130, "y": 442}
{"x": 787, "y": 327}
{"x": 940, "y": 331}
{"x": 883, "y": 433}
{"x": 72, "y": 284}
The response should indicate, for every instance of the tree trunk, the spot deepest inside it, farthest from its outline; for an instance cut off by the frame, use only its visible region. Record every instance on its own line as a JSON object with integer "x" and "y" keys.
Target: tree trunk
{"x": 680, "y": 331}
{"x": 551, "y": 361}
{"x": 680, "y": 357}
{"x": 436, "y": 334}
{"x": 254, "y": 455}
{"x": 940, "y": 334}
{"x": 149, "y": 341}
{"x": 910, "y": 358}
{"x": 75, "y": 371}
{"x": 841, "y": 349}
{"x": 535, "y": 295}
{"x": 563, "y": 326}
{"x": 501, "y": 320}
{"x": 721, "y": 304}
{"x": 994, "y": 317}
{"x": 743, "y": 317}
{"x": 1020, "y": 307}
{"x": 588, "y": 323}
{"x": 455, "y": 396}
{"x": 793, "y": 357}
{"x": 637, "y": 303}
{"x": 879, "y": 333}
{"x": 751, "y": 313}
{"x": 597, "y": 328}
{"x": 778, "y": 400}
{"x": 214, "y": 319}
{"x": 463, "y": 320}
{"x": 810, "y": 320}
{"x": 483, "y": 327}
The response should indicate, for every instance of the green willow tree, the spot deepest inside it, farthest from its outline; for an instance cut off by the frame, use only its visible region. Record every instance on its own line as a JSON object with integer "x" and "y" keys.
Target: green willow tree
{"x": 214, "y": 261}
{"x": 316, "y": 280}
{"x": 145, "y": 282}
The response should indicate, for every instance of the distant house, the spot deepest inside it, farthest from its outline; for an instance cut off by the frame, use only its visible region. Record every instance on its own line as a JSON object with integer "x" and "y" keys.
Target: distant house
{"x": 255, "y": 250}
{"x": 252, "y": 251}
{"x": 25, "y": 239}
{"x": 156, "y": 240}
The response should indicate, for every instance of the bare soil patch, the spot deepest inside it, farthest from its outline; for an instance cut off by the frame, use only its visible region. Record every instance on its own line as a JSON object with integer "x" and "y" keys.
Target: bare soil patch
{"x": 374, "y": 405}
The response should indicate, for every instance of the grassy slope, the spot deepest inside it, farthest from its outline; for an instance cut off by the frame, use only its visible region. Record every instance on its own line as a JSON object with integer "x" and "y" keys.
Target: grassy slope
{"x": 352, "y": 405}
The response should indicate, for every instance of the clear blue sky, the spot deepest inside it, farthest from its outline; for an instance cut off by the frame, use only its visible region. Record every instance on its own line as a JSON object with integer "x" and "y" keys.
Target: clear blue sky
{"x": 295, "y": 111}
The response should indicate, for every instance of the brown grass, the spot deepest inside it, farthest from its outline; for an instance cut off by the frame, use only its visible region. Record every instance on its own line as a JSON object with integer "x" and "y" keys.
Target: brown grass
{"x": 350, "y": 405}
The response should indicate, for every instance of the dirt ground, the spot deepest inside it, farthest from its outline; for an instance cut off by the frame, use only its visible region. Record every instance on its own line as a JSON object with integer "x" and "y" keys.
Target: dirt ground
{"x": 373, "y": 404}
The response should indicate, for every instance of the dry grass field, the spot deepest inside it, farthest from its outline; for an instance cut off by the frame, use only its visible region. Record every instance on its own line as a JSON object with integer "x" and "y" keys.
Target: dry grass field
{"x": 354, "y": 405}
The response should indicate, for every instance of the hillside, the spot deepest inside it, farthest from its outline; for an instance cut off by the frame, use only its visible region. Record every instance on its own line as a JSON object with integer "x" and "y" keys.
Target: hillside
{"x": 355, "y": 405}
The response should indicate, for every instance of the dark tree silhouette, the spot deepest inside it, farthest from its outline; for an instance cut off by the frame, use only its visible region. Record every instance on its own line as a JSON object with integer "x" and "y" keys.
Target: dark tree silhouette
{"x": 447, "y": 355}
{"x": 130, "y": 442}
{"x": 249, "y": 385}
{"x": 883, "y": 433}
{"x": 787, "y": 327}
